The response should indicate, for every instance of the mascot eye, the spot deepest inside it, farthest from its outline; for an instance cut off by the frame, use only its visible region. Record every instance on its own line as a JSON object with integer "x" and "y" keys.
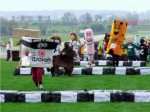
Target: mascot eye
{"x": 39, "y": 45}
{"x": 45, "y": 44}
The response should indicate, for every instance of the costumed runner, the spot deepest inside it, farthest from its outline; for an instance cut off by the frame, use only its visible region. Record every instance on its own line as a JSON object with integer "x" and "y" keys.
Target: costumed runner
{"x": 115, "y": 44}
{"x": 37, "y": 54}
{"x": 89, "y": 42}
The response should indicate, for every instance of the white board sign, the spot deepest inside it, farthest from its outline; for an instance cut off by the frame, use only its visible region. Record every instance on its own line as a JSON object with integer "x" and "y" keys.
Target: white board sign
{"x": 38, "y": 51}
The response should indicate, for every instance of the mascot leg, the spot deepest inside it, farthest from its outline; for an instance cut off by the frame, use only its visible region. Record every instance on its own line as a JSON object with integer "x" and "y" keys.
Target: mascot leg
{"x": 115, "y": 60}
{"x": 69, "y": 71}
{"x": 56, "y": 71}
{"x": 52, "y": 71}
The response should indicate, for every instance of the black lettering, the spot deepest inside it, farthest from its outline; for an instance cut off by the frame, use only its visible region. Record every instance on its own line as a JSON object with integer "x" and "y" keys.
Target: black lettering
{"x": 41, "y": 59}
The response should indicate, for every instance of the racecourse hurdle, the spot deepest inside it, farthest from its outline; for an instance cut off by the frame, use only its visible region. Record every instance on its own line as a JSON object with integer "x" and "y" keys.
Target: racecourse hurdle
{"x": 93, "y": 71}
{"x": 73, "y": 96}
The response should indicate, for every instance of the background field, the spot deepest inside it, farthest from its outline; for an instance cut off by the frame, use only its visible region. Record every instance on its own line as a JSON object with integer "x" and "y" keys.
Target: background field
{"x": 77, "y": 82}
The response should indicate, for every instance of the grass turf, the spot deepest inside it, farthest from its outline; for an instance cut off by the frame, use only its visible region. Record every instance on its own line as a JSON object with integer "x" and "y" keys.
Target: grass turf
{"x": 75, "y": 107}
{"x": 77, "y": 82}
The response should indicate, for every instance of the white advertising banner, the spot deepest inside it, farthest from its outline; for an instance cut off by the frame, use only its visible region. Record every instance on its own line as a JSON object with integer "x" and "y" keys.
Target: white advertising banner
{"x": 37, "y": 52}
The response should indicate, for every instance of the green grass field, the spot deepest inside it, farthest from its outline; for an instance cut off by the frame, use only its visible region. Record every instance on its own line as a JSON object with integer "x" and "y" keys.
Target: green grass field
{"x": 77, "y": 82}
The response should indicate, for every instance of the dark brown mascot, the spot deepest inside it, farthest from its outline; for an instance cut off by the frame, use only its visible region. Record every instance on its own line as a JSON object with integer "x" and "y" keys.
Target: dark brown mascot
{"x": 65, "y": 60}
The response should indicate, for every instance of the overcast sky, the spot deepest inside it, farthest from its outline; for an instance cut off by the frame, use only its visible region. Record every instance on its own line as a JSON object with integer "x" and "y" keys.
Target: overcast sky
{"x": 34, "y": 5}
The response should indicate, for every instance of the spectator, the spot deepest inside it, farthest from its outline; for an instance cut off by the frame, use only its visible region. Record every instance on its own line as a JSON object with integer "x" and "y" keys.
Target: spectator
{"x": 82, "y": 47}
{"x": 149, "y": 53}
{"x": 8, "y": 49}
{"x": 143, "y": 50}
{"x": 76, "y": 44}
{"x": 100, "y": 53}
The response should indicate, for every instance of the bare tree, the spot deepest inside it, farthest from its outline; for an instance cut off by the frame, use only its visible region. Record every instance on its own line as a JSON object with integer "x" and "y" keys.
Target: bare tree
{"x": 86, "y": 19}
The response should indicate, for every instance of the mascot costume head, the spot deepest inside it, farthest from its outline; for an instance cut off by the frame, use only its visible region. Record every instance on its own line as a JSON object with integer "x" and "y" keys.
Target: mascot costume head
{"x": 117, "y": 35}
{"x": 89, "y": 40}
{"x": 88, "y": 35}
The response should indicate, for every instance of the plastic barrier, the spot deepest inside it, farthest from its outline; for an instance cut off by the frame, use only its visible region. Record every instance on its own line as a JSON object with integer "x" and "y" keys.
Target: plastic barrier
{"x": 93, "y": 71}
{"x": 76, "y": 96}
{"x": 110, "y": 63}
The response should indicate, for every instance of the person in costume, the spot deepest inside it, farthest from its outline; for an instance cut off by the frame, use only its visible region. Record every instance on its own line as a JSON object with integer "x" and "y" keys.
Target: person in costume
{"x": 116, "y": 40}
{"x": 37, "y": 77}
{"x": 36, "y": 72}
{"x": 89, "y": 42}
{"x": 130, "y": 46}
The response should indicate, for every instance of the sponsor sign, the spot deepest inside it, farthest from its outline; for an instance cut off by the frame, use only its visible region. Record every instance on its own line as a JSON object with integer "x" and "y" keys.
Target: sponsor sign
{"x": 37, "y": 52}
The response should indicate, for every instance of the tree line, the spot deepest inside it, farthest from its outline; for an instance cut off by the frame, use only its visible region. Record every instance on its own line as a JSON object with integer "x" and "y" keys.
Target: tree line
{"x": 67, "y": 23}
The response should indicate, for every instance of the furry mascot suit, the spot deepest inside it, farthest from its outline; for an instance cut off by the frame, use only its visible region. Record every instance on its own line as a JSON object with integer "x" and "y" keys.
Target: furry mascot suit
{"x": 65, "y": 60}
{"x": 89, "y": 42}
{"x": 76, "y": 44}
{"x": 115, "y": 44}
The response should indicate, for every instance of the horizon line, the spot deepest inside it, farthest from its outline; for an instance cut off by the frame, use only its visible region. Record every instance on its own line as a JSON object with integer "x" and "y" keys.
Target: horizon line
{"x": 73, "y": 10}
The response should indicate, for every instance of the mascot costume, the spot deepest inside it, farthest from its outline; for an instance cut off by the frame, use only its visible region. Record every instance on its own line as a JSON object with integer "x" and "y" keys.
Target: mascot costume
{"x": 65, "y": 60}
{"x": 37, "y": 53}
{"x": 89, "y": 42}
{"x": 130, "y": 46}
{"x": 115, "y": 43}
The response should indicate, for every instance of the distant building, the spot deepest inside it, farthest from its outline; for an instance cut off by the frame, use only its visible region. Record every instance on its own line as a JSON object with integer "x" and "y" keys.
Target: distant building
{"x": 132, "y": 22}
{"x": 30, "y": 18}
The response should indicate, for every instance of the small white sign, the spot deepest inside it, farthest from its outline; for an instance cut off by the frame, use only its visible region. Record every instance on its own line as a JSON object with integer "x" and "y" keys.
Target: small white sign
{"x": 101, "y": 96}
{"x": 33, "y": 97}
{"x": 120, "y": 71}
{"x": 136, "y": 63}
{"x": 25, "y": 70}
{"x": 102, "y": 63}
{"x": 142, "y": 97}
{"x": 97, "y": 70}
{"x": 2, "y": 98}
{"x": 77, "y": 71}
{"x": 83, "y": 63}
{"x": 68, "y": 96}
